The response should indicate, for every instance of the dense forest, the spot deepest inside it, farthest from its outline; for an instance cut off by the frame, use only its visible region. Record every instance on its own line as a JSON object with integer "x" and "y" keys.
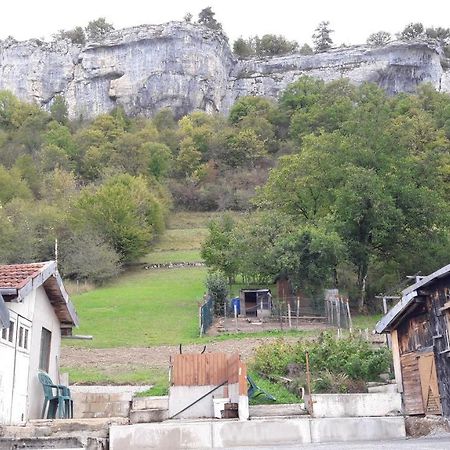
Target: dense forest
{"x": 342, "y": 185}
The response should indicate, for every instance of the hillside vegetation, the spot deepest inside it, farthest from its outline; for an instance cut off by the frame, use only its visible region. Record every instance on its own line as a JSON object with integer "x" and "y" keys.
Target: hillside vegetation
{"x": 342, "y": 185}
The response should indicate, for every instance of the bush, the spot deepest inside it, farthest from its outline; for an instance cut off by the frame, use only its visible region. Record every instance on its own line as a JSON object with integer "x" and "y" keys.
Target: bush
{"x": 217, "y": 286}
{"x": 337, "y": 365}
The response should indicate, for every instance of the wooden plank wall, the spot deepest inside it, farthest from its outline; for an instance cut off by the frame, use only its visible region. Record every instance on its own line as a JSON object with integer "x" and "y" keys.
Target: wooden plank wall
{"x": 439, "y": 294}
{"x": 209, "y": 369}
{"x": 412, "y": 391}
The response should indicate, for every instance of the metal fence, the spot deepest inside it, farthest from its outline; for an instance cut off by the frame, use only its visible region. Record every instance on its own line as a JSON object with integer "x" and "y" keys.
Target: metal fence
{"x": 337, "y": 310}
{"x": 206, "y": 315}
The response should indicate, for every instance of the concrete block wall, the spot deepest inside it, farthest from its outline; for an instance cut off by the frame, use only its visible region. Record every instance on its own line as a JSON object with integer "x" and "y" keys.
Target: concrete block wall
{"x": 206, "y": 434}
{"x": 103, "y": 401}
{"x": 357, "y": 405}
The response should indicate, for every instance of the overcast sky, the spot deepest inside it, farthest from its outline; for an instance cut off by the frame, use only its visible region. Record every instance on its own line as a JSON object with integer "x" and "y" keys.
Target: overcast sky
{"x": 352, "y": 20}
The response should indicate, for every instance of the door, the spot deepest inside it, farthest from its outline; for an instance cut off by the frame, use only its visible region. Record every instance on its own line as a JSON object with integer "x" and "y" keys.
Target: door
{"x": 420, "y": 386}
{"x": 14, "y": 368}
{"x": 7, "y": 354}
{"x": 429, "y": 384}
{"x": 21, "y": 369}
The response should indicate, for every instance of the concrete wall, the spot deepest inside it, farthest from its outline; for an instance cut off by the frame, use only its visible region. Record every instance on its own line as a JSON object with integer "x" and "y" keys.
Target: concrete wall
{"x": 103, "y": 401}
{"x": 356, "y": 405}
{"x": 43, "y": 317}
{"x": 182, "y": 396}
{"x": 207, "y": 434}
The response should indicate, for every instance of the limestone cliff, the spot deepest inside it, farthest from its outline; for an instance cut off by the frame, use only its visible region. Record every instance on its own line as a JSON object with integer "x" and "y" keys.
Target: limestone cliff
{"x": 188, "y": 67}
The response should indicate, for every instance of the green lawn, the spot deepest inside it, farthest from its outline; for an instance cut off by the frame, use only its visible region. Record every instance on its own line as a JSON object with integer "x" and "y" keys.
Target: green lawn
{"x": 171, "y": 256}
{"x": 142, "y": 308}
{"x": 188, "y": 220}
{"x": 181, "y": 239}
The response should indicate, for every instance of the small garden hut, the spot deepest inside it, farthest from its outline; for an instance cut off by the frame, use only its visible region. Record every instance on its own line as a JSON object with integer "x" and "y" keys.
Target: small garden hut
{"x": 419, "y": 325}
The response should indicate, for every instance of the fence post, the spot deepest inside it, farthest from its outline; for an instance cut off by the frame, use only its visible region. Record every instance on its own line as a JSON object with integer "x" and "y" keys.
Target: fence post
{"x": 308, "y": 384}
{"x": 350, "y": 323}
{"x": 289, "y": 315}
{"x": 298, "y": 309}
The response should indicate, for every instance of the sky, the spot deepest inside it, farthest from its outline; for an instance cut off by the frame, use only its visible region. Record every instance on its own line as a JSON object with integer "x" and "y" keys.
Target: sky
{"x": 352, "y": 20}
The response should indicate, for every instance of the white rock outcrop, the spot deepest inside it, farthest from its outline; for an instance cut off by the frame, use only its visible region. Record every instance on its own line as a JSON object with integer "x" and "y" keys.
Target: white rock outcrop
{"x": 188, "y": 67}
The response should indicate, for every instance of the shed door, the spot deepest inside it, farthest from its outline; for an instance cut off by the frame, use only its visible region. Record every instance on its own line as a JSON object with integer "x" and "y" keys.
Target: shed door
{"x": 412, "y": 392}
{"x": 420, "y": 387}
{"x": 428, "y": 380}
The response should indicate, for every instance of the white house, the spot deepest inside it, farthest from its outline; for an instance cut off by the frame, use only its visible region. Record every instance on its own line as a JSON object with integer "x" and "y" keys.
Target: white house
{"x": 35, "y": 311}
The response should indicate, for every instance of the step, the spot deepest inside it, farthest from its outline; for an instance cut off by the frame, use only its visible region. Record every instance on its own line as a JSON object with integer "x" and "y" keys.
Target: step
{"x": 290, "y": 410}
{"x": 139, "y": 403}
{"x": 41, "y": 444}
{"x": 148, "y": 415}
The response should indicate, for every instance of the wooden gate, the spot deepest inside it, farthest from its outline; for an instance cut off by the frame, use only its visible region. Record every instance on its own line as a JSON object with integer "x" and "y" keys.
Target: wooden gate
{"x": 420, "y": 386}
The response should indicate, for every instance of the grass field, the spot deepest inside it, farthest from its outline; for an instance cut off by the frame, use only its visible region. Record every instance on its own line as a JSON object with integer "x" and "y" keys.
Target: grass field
{"x": 142, "y": 308}
{"x": 145, "y": 308}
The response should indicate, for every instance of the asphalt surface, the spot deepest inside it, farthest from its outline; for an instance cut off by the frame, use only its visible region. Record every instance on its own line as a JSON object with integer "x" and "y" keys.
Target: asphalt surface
{"x": 425, "y": 443}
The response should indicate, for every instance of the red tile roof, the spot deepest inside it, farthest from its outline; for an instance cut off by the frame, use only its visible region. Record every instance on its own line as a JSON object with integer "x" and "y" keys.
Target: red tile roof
{"x": 16, "y": 276}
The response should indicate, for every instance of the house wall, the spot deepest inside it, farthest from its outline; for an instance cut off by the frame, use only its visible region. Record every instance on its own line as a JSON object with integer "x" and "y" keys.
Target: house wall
{"x": 44, "y": 316}
{"x": 37, "y": 309}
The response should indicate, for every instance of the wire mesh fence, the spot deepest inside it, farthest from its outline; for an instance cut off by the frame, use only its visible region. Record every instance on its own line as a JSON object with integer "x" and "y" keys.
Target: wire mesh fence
{"x": 290, "y": 312}
{"x": 206, "y": 315}
{"x": 337, "y": 310}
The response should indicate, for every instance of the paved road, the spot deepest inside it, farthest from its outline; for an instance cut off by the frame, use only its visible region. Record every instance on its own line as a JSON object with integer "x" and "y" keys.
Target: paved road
{"x": 433, "y": 443}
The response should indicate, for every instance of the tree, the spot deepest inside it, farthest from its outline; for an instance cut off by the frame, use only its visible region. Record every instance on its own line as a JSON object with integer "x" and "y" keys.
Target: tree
{"x": 76, "y": 35}
{"x": 243, "y": 48}
{"x": 272, "y": 45}
{"x": 124, "y": 212}
{"x": 98, "y": 29}
{"x": 84, "y": 255}
{"x": 345, "y": 180}
{"x": 188, "y": 17}
{"x": 442, "y": 35}
{"x": 306, "y": 50}
{"x": 217, "y": 250}
{"x": 59, "y": 110}
{"x": 411, "y": 31}
{"x": 160, "y": 159}
{"x": 12, "y": 186}
{"x": 217, "y": 287}
{"x": 379, "y": 39}
{"x": 250, "y": 105}
{"x": 206, "y": 18}
{"x": 321, "y": 37}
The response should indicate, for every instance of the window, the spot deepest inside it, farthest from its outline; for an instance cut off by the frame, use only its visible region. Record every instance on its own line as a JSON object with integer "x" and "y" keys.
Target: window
{"x": 11, "y": 331}
{"x": 44, "y": 358}
{"x": 23, "y": 337}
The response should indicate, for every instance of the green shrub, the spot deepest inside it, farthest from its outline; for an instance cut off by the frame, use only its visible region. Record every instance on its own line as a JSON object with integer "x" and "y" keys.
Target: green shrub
{"x": 337, "y": 365}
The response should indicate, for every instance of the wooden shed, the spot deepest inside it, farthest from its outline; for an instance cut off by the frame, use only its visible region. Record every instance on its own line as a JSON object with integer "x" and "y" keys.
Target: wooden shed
{"x": 419, "y": 325}
{"x": 255, "y": 302}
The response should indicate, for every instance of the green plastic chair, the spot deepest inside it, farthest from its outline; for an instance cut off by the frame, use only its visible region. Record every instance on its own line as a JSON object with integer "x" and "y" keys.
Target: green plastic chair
{"x": 56, "y": 398}
{"x": 255, "y": 391}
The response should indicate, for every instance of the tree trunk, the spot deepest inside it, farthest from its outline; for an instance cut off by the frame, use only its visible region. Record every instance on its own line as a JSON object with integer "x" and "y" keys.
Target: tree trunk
{"x": 362, "y": 278}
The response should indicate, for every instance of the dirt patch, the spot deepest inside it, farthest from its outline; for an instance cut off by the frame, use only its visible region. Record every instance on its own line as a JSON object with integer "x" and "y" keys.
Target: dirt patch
{"x": 111, "y": 360}
{"x": 426, "y": 426}
{"x": 249, "y": 325}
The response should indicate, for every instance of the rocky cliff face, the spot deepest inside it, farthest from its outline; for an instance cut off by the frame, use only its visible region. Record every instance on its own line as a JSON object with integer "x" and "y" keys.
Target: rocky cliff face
{"x": 188, "y": 67}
